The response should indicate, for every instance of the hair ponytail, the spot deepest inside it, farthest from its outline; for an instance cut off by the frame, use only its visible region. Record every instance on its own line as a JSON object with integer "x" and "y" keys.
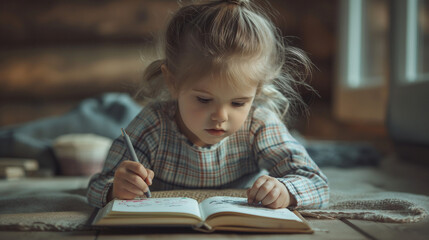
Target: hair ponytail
{"x": 152, "y": 85}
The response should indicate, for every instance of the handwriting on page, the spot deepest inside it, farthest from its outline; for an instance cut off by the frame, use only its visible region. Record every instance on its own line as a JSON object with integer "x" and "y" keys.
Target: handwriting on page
{"x": 178, "y": 204}
{"x": 159, "y": 202}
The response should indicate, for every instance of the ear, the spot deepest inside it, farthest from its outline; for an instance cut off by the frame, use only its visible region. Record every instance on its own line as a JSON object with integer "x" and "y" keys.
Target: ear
{"x": 169, "y": 80}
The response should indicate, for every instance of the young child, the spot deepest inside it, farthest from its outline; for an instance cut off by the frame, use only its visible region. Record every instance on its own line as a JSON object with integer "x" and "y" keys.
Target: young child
{"x": 219, "y": 97}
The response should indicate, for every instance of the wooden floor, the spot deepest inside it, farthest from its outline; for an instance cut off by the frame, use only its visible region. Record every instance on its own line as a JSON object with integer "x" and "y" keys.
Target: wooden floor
{"x": 323, "y": 229}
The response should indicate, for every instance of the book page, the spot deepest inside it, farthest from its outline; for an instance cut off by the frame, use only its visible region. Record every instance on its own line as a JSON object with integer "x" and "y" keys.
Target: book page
{"x": 236, "y": 204}
{"x": 152, "y": 205}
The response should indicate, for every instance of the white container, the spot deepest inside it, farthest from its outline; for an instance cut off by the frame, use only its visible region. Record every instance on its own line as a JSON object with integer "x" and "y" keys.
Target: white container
{"x": 81, "y": 154}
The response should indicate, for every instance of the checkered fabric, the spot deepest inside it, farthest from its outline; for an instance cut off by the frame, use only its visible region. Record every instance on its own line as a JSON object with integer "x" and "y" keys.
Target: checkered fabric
{"x": 263, "y": 142}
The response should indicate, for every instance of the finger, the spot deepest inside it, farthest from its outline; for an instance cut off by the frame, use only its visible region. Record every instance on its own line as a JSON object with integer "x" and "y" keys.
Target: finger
{"x": 251, "y": 193}
{"x": 123, "y": 173}
{"x": 264, "y": 190}
{"x": 137, "y": 168}
{"x": 271, "y": 196}
{"x": 123, "y": 188}
{"x": 150, "y": 176}
{"x": 146, "y": 175}
{"x": 126, "y": 195}
{"x": 140, "y": 170}
{"x": 137, "y": 181}
{"x": 279, "y": 202}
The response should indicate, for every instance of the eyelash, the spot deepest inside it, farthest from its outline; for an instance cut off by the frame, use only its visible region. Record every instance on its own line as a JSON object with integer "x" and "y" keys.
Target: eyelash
{"x": 238, "y": 104}
{"x": 203, "y": 100}
{"x": 206, "y": 100}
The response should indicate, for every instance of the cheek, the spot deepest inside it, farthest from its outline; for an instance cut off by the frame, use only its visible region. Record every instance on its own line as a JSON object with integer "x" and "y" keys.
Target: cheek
{"x": 240, "y": 117}
{"x": 196, "y": 116}
{"x": 193, "y": 114}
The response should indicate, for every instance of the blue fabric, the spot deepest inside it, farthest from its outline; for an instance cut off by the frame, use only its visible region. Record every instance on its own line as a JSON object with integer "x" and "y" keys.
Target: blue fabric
{"x": 104, "y": 115}
{"x": 343, "y": 154}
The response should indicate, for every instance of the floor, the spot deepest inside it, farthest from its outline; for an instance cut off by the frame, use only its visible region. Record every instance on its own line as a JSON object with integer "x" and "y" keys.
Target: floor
{"x": 389, "y": 176}
{"x": 324, "y": 229}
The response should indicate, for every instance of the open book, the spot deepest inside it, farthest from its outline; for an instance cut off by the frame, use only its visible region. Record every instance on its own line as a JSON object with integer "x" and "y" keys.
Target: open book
{"x": 214, "y": 213}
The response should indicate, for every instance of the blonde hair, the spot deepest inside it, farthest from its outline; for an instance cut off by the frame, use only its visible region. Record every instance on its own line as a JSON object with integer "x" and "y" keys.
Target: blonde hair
{"x": 235, "y": 41}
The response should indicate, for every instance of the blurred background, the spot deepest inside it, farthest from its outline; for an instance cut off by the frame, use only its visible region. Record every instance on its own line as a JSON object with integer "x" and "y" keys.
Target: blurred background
{"x": 55, "y": 53}
{"x": 371, "y": 61}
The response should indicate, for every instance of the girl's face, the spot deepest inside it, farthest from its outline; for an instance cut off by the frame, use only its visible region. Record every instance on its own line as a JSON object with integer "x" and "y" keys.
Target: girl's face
{"x": 210, "y": 110}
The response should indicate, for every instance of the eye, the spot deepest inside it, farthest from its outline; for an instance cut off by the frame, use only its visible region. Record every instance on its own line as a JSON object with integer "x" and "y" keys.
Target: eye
{"x": 203, "y": 100}
{"x": 238, "y": 104}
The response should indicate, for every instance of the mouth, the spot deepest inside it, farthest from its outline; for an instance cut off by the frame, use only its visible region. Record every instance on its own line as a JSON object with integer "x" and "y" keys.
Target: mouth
{"x": 216, "y": 132}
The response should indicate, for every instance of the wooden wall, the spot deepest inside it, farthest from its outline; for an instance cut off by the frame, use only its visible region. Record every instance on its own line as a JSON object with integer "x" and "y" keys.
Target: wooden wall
{"x": 55, "y": 53}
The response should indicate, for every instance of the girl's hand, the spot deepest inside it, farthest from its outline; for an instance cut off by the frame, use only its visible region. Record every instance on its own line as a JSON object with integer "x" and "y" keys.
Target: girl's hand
{"x": 131, "y": 180}
{"x": 270, "y": 192}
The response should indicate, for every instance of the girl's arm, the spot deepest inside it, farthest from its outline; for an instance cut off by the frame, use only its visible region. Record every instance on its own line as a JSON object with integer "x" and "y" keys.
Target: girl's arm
{"x": 100, "y": 186}
{"x": 301, "y": 176}
{"x": 288, "y": 161}
{"x": 101, "y": 183}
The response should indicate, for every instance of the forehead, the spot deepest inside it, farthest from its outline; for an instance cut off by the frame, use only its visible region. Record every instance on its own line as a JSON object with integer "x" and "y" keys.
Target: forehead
{"x": 222, "y": 86}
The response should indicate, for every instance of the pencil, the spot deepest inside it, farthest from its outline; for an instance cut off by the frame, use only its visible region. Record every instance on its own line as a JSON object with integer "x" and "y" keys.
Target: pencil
{"x": 133, "y": 154}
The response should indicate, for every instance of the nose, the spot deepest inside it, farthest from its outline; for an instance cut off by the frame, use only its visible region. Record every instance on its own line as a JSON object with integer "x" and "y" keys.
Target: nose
{"x": 220, "y": 115}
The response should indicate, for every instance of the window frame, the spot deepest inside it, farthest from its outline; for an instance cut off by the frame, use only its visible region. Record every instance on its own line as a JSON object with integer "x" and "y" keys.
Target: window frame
{"x": 356, "y": 97}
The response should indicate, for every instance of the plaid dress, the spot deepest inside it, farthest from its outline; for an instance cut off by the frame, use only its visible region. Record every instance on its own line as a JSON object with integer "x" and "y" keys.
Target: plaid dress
{"x": 263, "y": 142}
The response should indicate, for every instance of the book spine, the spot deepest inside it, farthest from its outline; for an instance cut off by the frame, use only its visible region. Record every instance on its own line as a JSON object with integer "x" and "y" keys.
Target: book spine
{"x": 203, "y": 227}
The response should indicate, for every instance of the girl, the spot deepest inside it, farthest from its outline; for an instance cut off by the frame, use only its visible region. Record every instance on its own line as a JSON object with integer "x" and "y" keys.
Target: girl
{"x": 215, "y": 121}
